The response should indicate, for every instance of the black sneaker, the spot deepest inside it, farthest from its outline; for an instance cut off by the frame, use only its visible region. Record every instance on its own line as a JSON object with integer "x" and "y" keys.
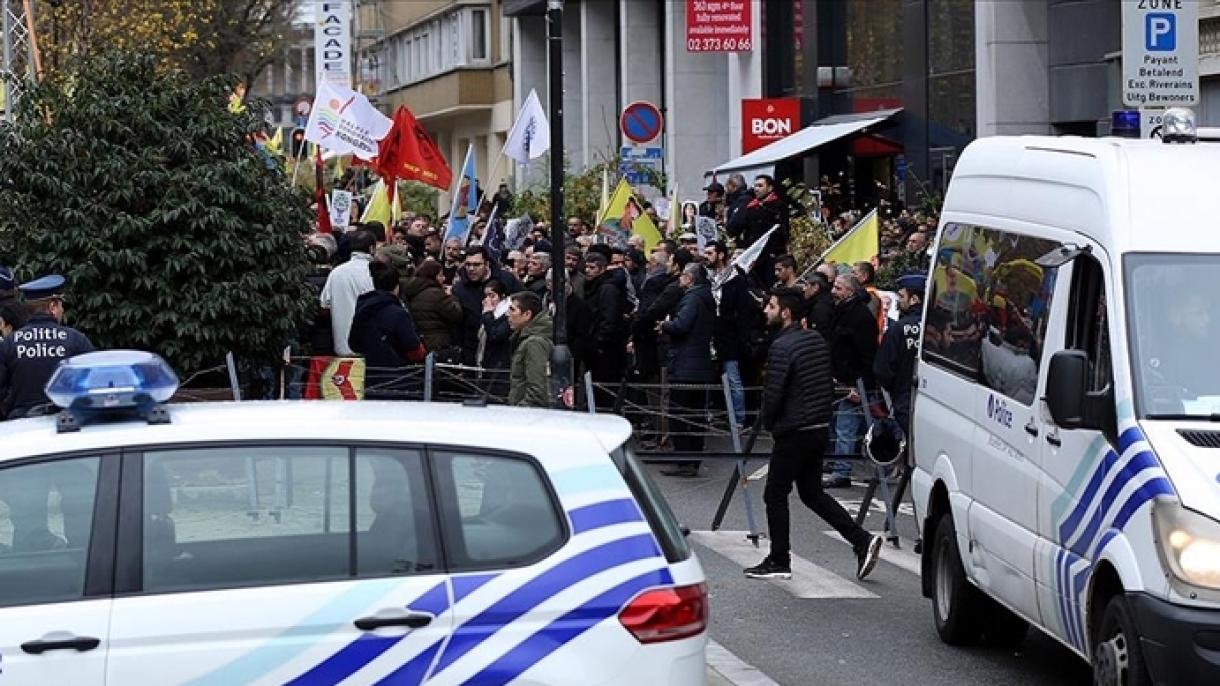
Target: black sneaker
{"x": 770, "y": 569}
{"x": 866, "y": 557}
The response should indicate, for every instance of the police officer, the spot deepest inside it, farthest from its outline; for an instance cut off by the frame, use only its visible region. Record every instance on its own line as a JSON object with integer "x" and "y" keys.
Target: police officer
{"x": 30, "y": 355}
{"x": 894, "y": 365}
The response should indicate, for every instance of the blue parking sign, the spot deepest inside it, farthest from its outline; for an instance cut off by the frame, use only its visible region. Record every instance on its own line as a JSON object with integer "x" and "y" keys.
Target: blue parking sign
{"x": 1160, "y": 32}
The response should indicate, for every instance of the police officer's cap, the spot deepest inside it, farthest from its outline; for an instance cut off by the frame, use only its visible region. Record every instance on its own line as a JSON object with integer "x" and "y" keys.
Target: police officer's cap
{"x": 913, "y": 282}
{"x": 45, "y": 288}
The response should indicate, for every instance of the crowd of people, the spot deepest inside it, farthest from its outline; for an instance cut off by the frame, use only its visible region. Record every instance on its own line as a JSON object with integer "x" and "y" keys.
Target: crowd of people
{"x": 682, "y": 310}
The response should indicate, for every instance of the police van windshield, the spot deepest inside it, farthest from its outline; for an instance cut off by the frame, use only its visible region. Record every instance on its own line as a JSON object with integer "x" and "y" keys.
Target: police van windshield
{"x": 1174, "y": 319}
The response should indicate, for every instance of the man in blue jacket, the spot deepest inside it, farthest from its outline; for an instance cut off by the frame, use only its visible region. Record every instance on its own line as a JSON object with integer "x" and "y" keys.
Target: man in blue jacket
{"x": 383, "y": 332}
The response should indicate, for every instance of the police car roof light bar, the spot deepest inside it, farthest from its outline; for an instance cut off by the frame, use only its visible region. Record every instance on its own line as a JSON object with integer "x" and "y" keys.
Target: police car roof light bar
{"x": 111, "y": 384}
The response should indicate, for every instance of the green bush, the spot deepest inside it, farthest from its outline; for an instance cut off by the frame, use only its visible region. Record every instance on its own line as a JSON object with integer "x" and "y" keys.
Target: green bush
{"x": 137, "y": 184}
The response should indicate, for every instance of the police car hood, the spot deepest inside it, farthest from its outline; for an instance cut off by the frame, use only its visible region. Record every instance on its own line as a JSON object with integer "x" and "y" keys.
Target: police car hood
{"x": 1189, "y": 451}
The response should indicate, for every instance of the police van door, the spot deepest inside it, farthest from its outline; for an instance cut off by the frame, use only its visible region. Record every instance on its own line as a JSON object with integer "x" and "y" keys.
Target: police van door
{"x": 277, "y": 564}
{"x": 1015, "y": 297}
{"x": 57, "y": 527}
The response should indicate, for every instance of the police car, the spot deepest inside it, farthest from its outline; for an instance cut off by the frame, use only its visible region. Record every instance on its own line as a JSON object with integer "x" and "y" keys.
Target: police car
{"x": 315, "y": 542}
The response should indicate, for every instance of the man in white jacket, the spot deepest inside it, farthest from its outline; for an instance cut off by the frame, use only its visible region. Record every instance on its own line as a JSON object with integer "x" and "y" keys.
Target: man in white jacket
{"x": 344, "y": 286}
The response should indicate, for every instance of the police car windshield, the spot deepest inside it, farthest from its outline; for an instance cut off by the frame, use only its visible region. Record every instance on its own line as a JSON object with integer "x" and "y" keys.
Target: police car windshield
{"x": 1174, "y": 320}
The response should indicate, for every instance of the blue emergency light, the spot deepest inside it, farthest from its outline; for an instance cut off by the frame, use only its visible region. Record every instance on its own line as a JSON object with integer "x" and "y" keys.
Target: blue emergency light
{"x": 1125, "y": 123}
{"x": 111, "y": 381}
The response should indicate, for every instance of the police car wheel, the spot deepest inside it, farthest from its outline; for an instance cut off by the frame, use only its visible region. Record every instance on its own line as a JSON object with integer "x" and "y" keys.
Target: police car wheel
{"x": 1117, "y": 658}
{"x": 956, "y": 604}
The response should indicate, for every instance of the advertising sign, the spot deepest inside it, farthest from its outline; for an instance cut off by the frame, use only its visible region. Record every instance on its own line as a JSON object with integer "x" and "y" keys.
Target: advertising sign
{"x": 766, "y": 120}
{"x": 718, "y": 26}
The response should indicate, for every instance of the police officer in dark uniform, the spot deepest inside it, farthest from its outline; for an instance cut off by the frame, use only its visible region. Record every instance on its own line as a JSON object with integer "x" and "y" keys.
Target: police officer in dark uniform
{"x": 894, "y": 366}
{"x": 31, "y": 354}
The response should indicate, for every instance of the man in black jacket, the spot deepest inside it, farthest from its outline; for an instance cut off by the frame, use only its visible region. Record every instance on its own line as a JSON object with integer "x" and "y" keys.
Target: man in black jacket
{"x": 796, "y": 410}
{"x": 765, "y": 210}
{"x": 690, "y": 362}
{"x": 605, "y": 294}
{"x": 737, "y": 318}
{"x": 819, "y": 305}
{"x": 894, "y": 367}
{"x": 383, "y": 332}
{"x": 853, "y": 347}
{"x": 477, "y": 269}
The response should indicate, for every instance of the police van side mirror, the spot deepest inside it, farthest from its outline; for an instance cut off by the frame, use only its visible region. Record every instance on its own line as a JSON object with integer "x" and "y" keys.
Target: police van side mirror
{"x": 1066, "y": 386}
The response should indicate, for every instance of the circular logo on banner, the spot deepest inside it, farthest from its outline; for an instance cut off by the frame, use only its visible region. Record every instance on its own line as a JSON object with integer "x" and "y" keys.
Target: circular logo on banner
{"x": 641, "y": 122}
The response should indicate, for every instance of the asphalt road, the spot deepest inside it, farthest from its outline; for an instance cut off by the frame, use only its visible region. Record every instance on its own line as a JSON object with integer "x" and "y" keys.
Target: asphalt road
{"x": 824, "y": 627}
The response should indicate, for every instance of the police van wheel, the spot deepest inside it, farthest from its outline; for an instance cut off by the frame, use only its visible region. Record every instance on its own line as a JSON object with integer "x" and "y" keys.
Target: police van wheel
{"x": 1117, "y": 657}
{"x": 955, "y": 603}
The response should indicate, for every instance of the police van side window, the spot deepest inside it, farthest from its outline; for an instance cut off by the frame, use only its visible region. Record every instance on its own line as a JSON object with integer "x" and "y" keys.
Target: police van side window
{"x": 46, "y": 521}
{"x": 257, "y": 515}
{"x": 989, "y": 306}
{"x": 1088, "y": 321}
{"x": 496, "y": 510}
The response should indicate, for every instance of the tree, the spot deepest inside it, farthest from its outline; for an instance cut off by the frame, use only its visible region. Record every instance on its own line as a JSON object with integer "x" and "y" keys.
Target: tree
{"x": 204, "y": 37}
{"x": 137, "y": 183}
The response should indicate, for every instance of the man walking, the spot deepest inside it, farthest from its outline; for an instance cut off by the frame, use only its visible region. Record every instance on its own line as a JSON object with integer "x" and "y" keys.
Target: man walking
{"x": 531, "y": 340}
{"x": 796, "y": 410}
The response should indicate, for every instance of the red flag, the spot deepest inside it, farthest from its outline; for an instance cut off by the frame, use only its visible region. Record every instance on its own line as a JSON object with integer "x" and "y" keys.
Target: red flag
{"x": 409, "y": 153}
{"x": 319, "y": 193}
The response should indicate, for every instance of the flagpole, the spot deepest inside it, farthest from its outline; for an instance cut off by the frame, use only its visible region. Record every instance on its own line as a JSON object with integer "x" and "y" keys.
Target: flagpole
{"x": 561, "y": 355}
{"x": 494, "y": 170}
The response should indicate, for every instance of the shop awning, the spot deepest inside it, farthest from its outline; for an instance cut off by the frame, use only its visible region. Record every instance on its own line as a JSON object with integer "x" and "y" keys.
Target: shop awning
{"x": 809, "y": 138}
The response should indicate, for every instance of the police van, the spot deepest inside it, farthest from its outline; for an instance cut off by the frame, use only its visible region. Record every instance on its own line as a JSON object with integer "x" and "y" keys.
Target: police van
{"x": 1066, "y": 424}
{"x": 326, "y": 542}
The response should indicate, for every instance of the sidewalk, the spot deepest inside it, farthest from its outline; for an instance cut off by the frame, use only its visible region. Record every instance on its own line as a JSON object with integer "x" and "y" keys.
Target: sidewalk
{"x": 714, "y": 678}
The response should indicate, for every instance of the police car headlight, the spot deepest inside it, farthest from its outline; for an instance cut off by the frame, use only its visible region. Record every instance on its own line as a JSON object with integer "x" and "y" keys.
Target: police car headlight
{"x": 1190, "y": 543}
{"x": 111, "y": 379}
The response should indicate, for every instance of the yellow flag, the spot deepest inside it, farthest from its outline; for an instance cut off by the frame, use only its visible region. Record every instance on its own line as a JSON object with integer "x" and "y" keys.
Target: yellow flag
{"x": 624, "y": 216}
{"x": 379, "y": 209}
{"x": 276, "y": 142}
{"x": 236, "y": 106}
{"x": 858, "y": 245}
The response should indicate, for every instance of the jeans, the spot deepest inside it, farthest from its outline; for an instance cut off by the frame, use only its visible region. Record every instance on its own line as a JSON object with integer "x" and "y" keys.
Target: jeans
{"x": 797, "y": 459}
{"x": 849, "y": 425}
{"x": 737, "y": 392}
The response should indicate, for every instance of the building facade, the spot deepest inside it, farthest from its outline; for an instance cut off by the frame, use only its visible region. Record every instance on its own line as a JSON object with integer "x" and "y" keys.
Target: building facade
{"x": 450, "y": 63}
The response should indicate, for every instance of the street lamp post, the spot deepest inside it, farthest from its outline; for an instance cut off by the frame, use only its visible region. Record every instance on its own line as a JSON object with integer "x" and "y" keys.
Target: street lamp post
{"x": 561, "y": 355}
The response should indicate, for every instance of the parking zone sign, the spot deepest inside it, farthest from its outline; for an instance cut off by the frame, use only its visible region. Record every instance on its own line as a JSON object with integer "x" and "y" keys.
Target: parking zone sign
{"x": 1160, "y": 53}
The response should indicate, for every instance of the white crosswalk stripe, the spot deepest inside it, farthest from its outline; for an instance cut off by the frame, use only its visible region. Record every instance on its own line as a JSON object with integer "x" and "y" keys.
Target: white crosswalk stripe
{"x": 904, "y": 557}
{"x": 808, "y": 580}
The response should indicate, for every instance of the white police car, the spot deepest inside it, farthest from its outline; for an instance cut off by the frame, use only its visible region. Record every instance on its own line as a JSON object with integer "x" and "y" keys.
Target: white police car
{"x": 326, "y": 543}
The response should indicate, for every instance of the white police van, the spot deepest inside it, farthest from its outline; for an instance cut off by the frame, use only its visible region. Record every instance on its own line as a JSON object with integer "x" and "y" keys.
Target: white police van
{"x": 1066, "y": 426}
{"x": 319, "y": 543}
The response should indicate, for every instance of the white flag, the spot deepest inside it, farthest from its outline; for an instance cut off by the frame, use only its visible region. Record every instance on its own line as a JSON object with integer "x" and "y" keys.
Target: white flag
{"x": 530, "y": 135}
{"x": 746, "y": 259}
{"x": 344, "y": 122}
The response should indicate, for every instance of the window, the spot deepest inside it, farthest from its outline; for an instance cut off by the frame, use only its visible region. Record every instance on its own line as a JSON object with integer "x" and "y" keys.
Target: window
{"x": 248, "y": 516}
{"x": 497, "y": 511}
{"x": 478, "y": 35}
{"x": 656, "y": 509}
{"x": 46, "y": 521}
{"x": 988, "y": 308}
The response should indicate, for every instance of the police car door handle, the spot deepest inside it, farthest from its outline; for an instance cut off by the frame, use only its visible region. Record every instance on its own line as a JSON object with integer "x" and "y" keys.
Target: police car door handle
{"x": 1053, "y": 439}
{"x": 1031, "y": 428}
{"x": 411, "y": 620}
{"x": 60, "y": 641}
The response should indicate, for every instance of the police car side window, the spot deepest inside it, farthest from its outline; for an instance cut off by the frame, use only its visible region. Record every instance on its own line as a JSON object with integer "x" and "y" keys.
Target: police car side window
{"x": 988, "y": 310}
{"x": 46, "y": 521}
{"x": 496, "y": 510}
{"x": 257, "y": 515}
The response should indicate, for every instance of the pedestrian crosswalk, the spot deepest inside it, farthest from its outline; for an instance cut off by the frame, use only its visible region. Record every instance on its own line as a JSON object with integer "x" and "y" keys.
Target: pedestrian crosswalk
{"x": 809, "y": 580}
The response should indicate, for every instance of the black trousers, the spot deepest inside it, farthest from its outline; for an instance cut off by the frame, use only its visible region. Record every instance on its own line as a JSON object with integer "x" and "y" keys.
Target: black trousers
{"x": 688, "y": 408}
{"x": 797, "y": 459}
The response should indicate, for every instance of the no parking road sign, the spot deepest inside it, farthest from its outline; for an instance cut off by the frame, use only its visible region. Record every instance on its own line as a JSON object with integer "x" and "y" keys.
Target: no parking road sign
{"x": 641, "y": 122}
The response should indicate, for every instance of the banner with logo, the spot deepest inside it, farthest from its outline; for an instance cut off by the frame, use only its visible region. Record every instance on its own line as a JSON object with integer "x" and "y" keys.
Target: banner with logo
{"x": 335, "y": 378}
{"x": 344, "y": 122}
